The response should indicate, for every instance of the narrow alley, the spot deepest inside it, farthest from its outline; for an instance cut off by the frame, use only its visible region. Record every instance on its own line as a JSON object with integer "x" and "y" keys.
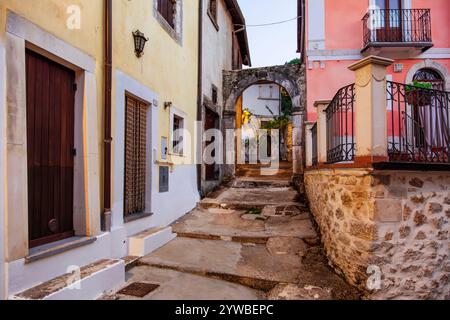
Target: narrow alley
{"x": 253, "y": 239}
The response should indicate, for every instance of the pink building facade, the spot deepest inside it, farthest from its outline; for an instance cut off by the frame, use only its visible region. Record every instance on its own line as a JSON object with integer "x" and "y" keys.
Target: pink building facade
{"x": 414, "y": 33}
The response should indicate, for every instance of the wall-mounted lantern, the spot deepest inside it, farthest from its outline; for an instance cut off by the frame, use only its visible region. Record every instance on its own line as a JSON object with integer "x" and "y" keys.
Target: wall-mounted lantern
{"x": 139, "y": 43}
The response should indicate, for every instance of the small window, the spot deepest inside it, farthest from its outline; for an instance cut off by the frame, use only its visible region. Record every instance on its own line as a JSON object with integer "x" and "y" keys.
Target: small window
{"x": 167, "y": 9}
{"x": 212, "y": 10}
{"x": 177, "y": 135}
{"x": 163, "y": 179}
{"x": 214, "y": 95}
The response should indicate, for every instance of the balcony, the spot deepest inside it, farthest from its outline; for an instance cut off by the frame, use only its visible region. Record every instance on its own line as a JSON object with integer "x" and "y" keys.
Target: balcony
{"x": 379, "y": 123}
{"x": 394, "y": 31}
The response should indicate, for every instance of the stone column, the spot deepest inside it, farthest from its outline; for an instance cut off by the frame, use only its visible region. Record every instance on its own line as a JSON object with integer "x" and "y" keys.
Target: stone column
{"x": 308, "y": 143}
{"x": 370, "y": 108}
{"x": 321, "y": 106}
{"x": 297, "y": 142}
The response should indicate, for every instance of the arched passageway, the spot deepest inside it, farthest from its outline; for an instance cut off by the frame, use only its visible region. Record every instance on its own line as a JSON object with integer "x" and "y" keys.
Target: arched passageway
{"x": 290, "y": 77}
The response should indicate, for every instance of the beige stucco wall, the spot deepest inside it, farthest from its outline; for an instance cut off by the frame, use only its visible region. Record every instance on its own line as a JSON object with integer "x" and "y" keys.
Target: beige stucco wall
{"x": 394, "y": 223}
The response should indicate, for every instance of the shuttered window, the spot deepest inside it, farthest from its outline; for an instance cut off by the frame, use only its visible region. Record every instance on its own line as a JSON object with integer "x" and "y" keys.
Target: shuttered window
{"x": 167, "y": 9}
{"x": 135, "y": 155}
{"x": 213, "y": 9}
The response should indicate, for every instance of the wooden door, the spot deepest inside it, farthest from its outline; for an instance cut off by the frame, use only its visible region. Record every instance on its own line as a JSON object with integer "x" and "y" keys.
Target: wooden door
{"x": 50, "y": 148}
{"x": 392, "y": 21}
{"x": 211, "y": 122}
{"x": 135, "y": 156}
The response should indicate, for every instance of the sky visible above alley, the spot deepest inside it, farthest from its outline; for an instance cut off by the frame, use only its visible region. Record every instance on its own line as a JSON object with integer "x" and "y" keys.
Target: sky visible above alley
{"x": 274, "y": 44}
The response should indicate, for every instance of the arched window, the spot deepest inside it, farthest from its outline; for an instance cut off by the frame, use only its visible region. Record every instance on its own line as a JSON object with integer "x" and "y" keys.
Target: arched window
{"x": 430, "y": 76}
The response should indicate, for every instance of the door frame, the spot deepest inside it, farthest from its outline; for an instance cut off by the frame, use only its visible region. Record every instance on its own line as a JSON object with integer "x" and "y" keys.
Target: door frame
{"x": 125, "y": 85}
{"x": 22, "y": 34}
{"x": 206, "y": 144}
{"x": 147, "y": 192}
{"x": 60, "y": 235}
{"x": 405, "y": 4}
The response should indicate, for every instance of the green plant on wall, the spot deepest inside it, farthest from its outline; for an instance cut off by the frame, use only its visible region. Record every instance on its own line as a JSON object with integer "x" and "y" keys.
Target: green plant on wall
{"x": 418, "y": 85}
{"x": 294, "y": 61}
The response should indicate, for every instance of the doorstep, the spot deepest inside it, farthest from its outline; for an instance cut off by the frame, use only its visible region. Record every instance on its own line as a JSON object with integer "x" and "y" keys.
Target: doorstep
{"x": 88, "y": 283}
{"x": 58, "y": 247}
{"x": 149, "y": 240}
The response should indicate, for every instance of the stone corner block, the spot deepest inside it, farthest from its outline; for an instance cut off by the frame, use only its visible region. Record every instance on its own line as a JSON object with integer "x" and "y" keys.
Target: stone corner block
{"x": 388, "y": 210}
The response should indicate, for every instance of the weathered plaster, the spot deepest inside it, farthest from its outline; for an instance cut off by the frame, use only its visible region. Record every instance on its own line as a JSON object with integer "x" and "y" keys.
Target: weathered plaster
{"x": 216, "y": 56}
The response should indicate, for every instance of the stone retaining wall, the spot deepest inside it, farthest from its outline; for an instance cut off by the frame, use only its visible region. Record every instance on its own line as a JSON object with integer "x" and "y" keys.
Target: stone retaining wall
{"x": 385, "y": 230}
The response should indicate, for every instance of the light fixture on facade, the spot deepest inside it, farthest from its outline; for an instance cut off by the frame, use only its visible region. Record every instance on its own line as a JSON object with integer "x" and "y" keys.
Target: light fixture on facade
{"x": 167, "y": 105}
{"x": 139, "y": 43}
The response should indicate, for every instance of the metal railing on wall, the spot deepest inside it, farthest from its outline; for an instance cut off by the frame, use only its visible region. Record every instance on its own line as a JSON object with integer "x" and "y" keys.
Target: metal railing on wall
{"x": 418, "y": 124}
{"x": 314, "y": 150}
{"x": 340, "y": 126}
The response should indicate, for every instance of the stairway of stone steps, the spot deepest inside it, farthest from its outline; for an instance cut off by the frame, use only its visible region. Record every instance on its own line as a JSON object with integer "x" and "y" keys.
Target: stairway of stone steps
{"x": 248, "y": 241}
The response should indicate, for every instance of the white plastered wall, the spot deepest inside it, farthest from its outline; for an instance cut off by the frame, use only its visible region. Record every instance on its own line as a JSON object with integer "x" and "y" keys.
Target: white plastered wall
{"x": 259, "y": 97}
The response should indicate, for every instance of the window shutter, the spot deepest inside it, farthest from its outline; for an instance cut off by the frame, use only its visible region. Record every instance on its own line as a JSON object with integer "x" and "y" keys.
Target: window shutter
{"x": 167, "y": 9}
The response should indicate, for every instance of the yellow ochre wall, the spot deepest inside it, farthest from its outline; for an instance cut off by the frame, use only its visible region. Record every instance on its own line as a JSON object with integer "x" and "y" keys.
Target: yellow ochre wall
{"x": 52, "y": 16}
{"x": 167, "y": 68}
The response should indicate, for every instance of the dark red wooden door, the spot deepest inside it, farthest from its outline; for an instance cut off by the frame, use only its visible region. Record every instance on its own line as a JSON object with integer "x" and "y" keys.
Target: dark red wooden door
{"x": 211, "y": 122}
{"x": 50, "y": 147}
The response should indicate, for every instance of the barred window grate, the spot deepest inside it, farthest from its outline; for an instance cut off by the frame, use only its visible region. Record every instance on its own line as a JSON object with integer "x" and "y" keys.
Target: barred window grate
{"x": 135, "y": 156}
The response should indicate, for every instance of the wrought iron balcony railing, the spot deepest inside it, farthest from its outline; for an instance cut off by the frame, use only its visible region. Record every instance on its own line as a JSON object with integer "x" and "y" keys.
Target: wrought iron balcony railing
{"x": 402, "y": 27}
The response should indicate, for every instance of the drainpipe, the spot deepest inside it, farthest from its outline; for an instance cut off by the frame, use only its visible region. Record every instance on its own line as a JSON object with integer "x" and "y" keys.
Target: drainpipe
{"x": 302, "y": 30}
{"x": 200, "y": 94}
{"x": 106, "y": 218}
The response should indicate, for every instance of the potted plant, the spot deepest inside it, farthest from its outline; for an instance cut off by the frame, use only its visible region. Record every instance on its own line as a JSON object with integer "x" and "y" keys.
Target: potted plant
{"x": 417, "y": 93}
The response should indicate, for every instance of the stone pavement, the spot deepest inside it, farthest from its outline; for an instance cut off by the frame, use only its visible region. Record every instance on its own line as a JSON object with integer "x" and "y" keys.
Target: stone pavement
{"x": 251, "y": 240}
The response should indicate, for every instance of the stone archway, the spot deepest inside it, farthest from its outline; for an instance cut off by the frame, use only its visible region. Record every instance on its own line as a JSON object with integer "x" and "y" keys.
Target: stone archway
{"x": 290, "y": 77}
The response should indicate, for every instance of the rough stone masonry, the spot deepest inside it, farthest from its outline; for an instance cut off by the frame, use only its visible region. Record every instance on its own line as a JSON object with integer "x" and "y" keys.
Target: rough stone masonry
{"x": 387, "y": 232}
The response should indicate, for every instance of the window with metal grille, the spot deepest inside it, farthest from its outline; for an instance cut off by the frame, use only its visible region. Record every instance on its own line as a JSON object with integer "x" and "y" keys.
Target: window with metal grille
{"x": 167, "y": 9}
{"x": 212, "y": 10}
{"x": 135, "y": 155}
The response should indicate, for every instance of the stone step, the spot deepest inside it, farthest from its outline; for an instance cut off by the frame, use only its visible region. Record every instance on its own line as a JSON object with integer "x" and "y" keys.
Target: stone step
{"x": 86, "y": 283}
{"x": 149, "y": 240}
{"x": 249, "y": 265}
{"x": 247, "y": 198}
{"x": 163, "y": 284}
{"x": 249, "y": 183}
{"x": 130, "y": 262}
{"x": 237, "y": 226}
